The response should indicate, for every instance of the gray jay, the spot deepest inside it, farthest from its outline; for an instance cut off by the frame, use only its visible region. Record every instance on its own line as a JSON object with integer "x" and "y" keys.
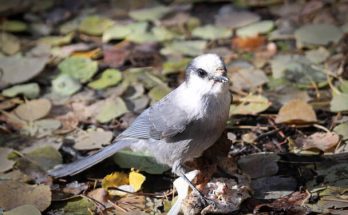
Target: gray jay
{"x": 179, "y": 127}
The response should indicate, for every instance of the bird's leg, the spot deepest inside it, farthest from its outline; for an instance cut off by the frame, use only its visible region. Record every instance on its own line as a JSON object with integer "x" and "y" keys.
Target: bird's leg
{"x": 179, "y": 170}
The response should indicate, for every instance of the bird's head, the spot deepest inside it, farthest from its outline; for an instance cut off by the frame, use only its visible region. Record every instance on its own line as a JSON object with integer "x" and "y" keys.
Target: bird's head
{"x": 206, "y": 74}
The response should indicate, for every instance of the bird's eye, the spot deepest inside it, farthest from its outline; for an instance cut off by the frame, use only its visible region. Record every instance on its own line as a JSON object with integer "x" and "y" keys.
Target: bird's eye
{"x": 202, "y": 73}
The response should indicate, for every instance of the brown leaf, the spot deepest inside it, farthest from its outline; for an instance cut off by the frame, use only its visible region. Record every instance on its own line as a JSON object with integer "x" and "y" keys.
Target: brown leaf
{"x": 92, "y": 139}
{"x": 248, "y": 43}
{"x": 296, "y": 112}
{"x": 5, "y": 163}
{"x": 69, "y": 123}
{"x": 34, "y": 109}
{"x": 321, "y": 141}
{"x": 114, "y": 56}
{"x": 18, "y": 193}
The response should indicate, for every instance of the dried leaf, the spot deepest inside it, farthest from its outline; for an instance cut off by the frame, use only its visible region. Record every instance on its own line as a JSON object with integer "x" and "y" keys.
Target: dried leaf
{"x": 259, "y": 165}
{"x": 115, "y": 57}
{"x": 322, "y": 141}
{"x": 18, "y": 194}
{"x": 136, "y": 180}
{"x": 248, "y": 79}
{"x": 317, "y": 34}
{"x": 9, "y": 44}
{"x": 234, "y": 19}
{"x": 92, "y": 139}
{"x": 34, "y": 109}
{"x": 296, "y": 112}
{"x": 5, "y": 163}
{"x": 92, "y": 54}
{"x": 23, "y": 209}
{"x": 12, "y": 69}
{"x": 115, "y": 179}
{"x": 249, "y": 43}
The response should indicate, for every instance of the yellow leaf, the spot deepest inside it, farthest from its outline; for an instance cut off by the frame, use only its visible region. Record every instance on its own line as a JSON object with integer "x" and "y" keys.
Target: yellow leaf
{"x": 93, "y": 54}
{"x": 114, "y": 180}
{"x": 136, "y": 180}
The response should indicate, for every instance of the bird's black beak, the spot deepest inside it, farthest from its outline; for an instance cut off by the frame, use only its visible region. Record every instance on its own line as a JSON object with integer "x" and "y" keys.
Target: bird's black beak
{"x": 220, "y": 76}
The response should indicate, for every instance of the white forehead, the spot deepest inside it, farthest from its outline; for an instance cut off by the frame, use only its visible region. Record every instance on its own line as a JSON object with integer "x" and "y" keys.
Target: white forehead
{"x": 208, "y": 62}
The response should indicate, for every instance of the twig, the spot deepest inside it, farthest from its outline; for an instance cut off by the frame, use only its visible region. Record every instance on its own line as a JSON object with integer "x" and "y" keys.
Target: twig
{"x": 321, "y": 127}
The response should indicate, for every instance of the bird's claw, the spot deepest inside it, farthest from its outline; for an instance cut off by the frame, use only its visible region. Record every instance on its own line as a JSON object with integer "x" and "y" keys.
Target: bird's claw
{"x": 208, "y": 201}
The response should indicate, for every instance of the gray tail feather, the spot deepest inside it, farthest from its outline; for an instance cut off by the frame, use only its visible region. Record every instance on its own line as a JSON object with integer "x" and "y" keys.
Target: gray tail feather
{"x": 87, "y": 162}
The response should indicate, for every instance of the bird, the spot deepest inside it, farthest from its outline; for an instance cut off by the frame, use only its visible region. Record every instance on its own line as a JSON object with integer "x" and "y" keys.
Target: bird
{"x": 177, "y": 128}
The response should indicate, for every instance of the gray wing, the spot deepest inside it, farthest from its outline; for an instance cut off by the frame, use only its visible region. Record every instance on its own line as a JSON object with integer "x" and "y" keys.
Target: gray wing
{"x": 164, "y": 119}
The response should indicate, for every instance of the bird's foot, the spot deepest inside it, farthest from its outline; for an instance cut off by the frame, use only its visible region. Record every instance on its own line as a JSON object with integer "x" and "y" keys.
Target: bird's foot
{"x": 208, "y": 201}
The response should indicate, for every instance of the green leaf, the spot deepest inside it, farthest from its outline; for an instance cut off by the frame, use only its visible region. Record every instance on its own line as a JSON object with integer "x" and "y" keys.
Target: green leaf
{"x": 109, "y": 77}
{"x": 339, "y": 102}
{"x": 65, "y": 85}
{"x": 174, "y": 65}
{"x": 159, "y": 92}
{"x": 163, "y": 34}
{"x": 345, "y": 28}
{"x": 116, "y": 32}
{"x": 75, "y": 206}
{"x": 30, "y": 90}
{"x": 135, "y": 32}
{"x": 344, "y": 86}
{"x": 46, "y": 157}
{"x": 23, "y": 209}
{"x": 342, "y": 129}
{"x": 255, "y": 29}
{"x": 149, "y": 14}
{"x": 211, "y": 32}
{"x": 56, "y": 40}
{"x": 250, "y": 105}
{"x": 317, "y": 34}
{"x": 111, "y": 109}
{"x": 298, "y": 70}
{"x": 13, "y": 26}
{"x": 79, "y": 68}
{"x": 189, "y": 48}
{"x": 95, "y": 25}
{"x": 317, "y": 55}
{"x": 139, "y": 160}
{"x": 145, "y": 37}
{"x": 9, "y": 44}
